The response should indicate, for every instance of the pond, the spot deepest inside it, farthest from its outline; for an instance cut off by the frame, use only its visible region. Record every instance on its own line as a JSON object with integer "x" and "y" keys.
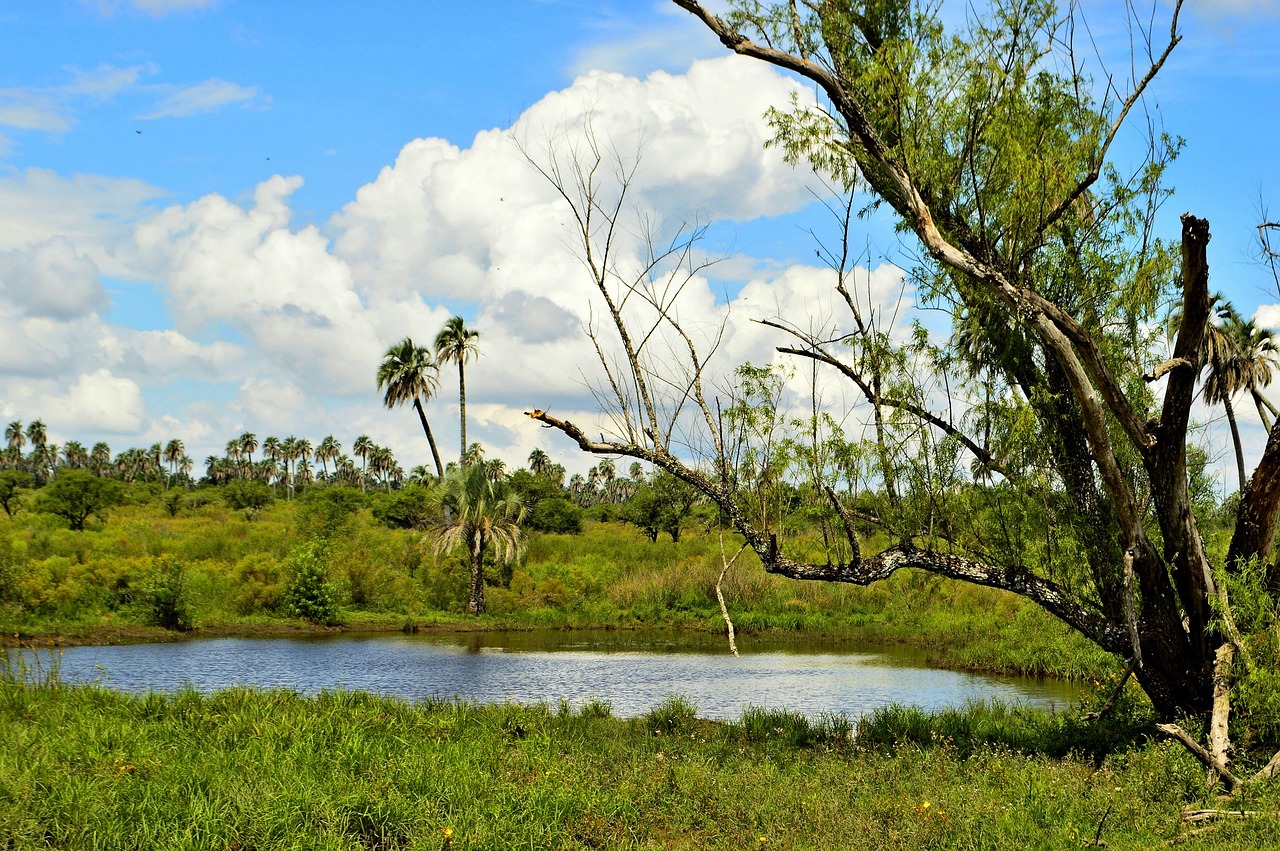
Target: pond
{"x": 633, "y": 672}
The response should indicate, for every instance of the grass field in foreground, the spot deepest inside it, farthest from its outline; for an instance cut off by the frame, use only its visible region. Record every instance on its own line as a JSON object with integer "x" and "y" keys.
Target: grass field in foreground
{"x": 84, "y": 767}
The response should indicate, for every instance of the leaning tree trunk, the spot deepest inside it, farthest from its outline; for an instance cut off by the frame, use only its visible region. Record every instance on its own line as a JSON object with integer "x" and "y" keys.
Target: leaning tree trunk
{"x": 431, "y": 440}
{"x": 1235, "y": 440}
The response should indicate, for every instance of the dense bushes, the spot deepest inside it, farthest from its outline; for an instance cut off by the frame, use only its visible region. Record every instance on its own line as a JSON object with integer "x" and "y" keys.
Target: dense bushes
{"x": 310, "y": 595}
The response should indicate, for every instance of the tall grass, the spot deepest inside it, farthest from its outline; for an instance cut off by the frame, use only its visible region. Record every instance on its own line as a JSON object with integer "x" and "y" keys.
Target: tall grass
{"x": 88, "y": 768}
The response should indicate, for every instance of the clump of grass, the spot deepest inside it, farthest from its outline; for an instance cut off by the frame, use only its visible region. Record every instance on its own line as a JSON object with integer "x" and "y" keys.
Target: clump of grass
{"x": 793, "y": 728}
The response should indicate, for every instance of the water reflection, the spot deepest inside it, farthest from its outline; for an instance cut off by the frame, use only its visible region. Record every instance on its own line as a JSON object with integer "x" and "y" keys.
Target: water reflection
{"x": 632, "y": 671}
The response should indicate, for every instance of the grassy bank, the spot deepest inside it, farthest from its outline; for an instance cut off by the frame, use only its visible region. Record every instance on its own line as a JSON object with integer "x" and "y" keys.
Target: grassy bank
{"x": 89, "y": 768}
{"x": 227, "y": 572}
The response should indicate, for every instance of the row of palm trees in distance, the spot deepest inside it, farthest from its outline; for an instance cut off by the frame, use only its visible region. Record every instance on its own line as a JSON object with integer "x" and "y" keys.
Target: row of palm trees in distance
{"x": 289, "y": 463}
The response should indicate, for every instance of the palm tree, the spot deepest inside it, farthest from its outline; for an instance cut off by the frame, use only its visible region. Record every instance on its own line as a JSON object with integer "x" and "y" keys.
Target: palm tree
{"x": 248, "y": 443}
{"x": 233, "y": 454}
{"x": 75, "y": 455}
{"x": 173, "y": 451}
{"x": 539, "y": 462}
{"x": 362, "y": 447}
{"x": 185, "y": 465}
{"x": 409, "y": 373}
{"x": 100, "y": 458}
{"x": 381, "y": 461}
{"x": 473, "y": 455}
{"x": 480, "y": 512}
{"x": 288, "y": 454}
{"x": 328, "y": 450}
{"x": 456, "y": 343}
{"x": 13, "y": 435}
{"x": 271, "y": 451}
{"x": 1240, "y": 357}
{"x": 304, "y": 472}
{"x": 1249, "y": 367}
{"x": 37, "y": 434}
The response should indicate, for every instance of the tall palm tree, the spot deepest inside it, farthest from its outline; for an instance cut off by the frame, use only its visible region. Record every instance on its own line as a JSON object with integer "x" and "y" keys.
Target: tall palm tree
{"x": 248, "y": 443}
{"x": 328, "y": 450}
{"x": 1240, "y": 357}
{"x": 480, "y": 513}
{"x": 173, "y": 451}
{"x": 539, "y": 462}
{"x": 75, "y": 455}
{"x": 13, "y": 435}
{"x": 289, "y": 453}
{"x": 381, "y": 461}
{"x": 1250, "y": 365}
{"x": 456, "y": 343}
{"x": 37, "y": 434}
{"x": 409, "y": 373}
{"x": 100, "y": 458}
{"x": 362, "y": 447}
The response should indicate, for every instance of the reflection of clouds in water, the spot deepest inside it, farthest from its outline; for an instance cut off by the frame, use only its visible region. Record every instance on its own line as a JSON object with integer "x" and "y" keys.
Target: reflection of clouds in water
{"x": 633, "y": 681}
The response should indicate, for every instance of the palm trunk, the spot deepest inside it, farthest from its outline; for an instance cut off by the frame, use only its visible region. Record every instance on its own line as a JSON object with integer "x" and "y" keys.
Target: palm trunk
{"x": 476, "y": 605}
{"x": 426, "y": 427}
{"x": 462, "y": 411}
{"x": 1235, "y": 439}
{"x": 1264, "y": 406}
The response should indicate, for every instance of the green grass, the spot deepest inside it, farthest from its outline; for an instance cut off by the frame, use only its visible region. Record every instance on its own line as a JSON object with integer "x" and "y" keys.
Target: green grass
{"x": 88, "y": 768}
{"x": 93, "y": 586}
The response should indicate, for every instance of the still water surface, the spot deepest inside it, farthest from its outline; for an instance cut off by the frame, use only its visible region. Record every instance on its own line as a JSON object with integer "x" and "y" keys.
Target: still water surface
{"x": 632, "y": 671}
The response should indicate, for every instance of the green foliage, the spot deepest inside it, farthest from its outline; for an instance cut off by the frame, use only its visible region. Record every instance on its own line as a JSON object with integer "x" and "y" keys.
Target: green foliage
{"x": 248, "y": 496}
{"x": 1256, "y": 615}
{"x": 11, "y": 483}
{"x": 660, "y": 506}
{"x": 10, "y": 565}
{"x": 555, "y": 515}
{"x": 174, "y": 501}
{"x": 408, "y": 508}
{"x": 167, "y": 597}
{"x": 328, "y": 511}
{"x": 261, "y": 579}
{"x": 76, "y": 495}
{"x": 309, "y": 594}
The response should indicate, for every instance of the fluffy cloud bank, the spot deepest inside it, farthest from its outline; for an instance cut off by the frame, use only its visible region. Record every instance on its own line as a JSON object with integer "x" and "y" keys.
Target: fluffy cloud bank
{"x": 292, "y": 320}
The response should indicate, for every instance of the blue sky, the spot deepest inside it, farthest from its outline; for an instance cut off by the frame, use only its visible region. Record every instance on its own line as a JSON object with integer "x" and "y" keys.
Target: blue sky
{"x": 215, "y": 214}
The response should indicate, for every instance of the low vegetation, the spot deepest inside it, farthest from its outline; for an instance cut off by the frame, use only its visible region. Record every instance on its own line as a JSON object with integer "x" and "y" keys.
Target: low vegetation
{"x": 87, "y": 767}
{"x": 225, "y": 562}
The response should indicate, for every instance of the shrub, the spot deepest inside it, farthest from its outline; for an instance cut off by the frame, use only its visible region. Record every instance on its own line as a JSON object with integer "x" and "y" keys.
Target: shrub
{"x": 248, "y": 496}
{"x": 405, "y": 509}
{"x": 10, "y": 562}
{"x": 310, "y": 595}
{"x": 10, "y": 483}
{"x": 557, "y": 515}
{"x": 77, "y": 495}
{"x": 326, "y": 512}
{"x": 174, "y": 502}
{"x": 261, "y": 581}
{"x": 167, "y": 597}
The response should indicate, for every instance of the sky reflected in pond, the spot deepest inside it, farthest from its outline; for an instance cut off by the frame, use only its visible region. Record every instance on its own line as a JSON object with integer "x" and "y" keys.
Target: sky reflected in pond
{"x": 632, "y": 671}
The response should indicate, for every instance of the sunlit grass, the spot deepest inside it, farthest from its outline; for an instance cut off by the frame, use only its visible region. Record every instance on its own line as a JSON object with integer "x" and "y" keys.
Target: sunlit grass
{"x": 89, "y": 768}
